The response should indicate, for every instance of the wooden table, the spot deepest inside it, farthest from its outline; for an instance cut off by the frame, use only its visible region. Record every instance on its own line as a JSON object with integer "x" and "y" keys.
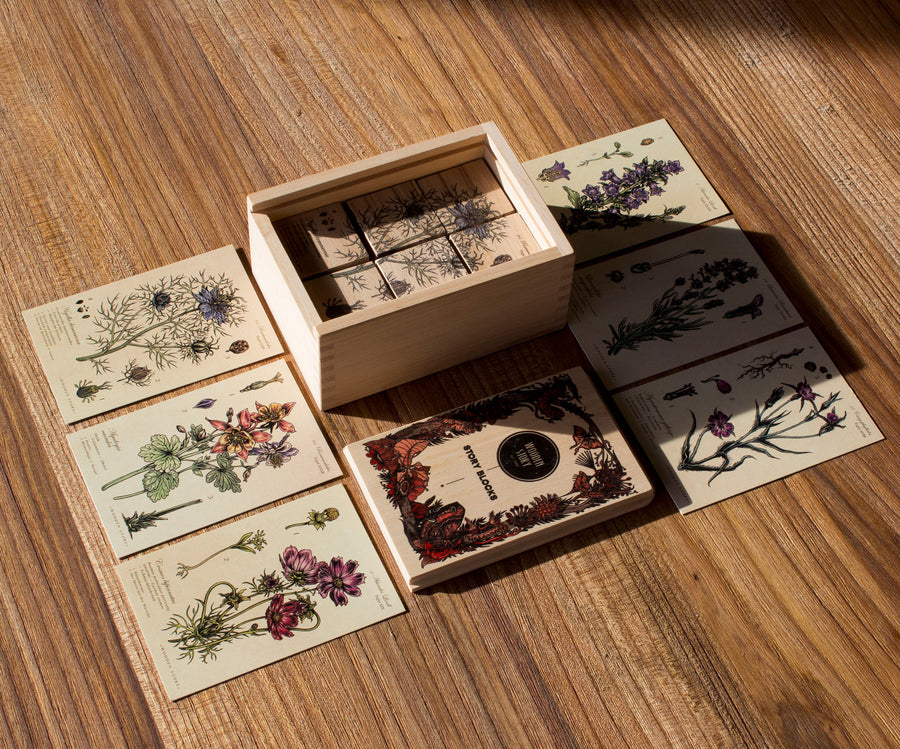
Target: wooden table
{"x": 132, "y": 132}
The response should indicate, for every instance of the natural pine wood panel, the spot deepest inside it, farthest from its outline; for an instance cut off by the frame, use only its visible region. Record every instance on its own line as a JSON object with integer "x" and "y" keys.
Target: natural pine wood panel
{"x": 132, "y": 132}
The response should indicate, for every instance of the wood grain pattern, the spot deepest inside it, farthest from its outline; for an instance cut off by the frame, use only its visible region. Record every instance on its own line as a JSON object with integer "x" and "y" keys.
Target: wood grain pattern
{"x": 132, "y": 133}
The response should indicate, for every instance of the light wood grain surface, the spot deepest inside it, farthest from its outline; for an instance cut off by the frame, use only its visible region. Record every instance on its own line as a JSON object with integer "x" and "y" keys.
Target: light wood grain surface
{"x": 132, "y": 131}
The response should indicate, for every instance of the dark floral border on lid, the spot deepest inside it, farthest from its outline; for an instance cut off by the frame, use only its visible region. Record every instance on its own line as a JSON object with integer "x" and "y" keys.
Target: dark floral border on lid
{"x": 438, "y": 531}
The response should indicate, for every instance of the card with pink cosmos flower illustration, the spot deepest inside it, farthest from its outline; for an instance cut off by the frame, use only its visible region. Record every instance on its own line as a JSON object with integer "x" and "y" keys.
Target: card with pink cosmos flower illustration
{"x": 743, "y": 420}
{"x": 625, "y": 189}
{"x": 193, "y": 460}
{"x": 228, "y": 601}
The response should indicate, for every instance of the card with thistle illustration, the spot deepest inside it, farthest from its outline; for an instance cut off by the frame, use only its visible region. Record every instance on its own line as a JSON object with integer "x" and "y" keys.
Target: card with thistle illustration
{"x": 348, "y": 290}
{"x": 752, "y": 417}
{"x": 397, "y": 217}
{"x": 623, "y": 190}
{"x": 495, "y": 242}
{"x": 207, "y": 455}
{"x": 421, "y": 266}
{"x": 225, "y": 602}
{"x": 466, "y": 195}
{"x": 476, "y": 484}
{"x": 322, "y": 240}
{"x": 120, "y": 343}
{"x": 658, "y": 308}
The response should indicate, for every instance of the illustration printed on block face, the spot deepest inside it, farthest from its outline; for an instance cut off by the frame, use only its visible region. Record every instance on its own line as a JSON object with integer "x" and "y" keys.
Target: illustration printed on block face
{"x": 743, "y": 420}
{"x": 623, "y": 190}
{"x": 458, "y": 479}
{"x": 281, "y": 581}
{"x": 675, "y": 302}
{"x": 187, "y": 462}
{"x": 131, "y": 339}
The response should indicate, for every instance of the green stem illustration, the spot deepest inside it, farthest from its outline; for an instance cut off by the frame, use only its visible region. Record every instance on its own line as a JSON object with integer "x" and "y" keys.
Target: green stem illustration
{"x": 142, "y": 520}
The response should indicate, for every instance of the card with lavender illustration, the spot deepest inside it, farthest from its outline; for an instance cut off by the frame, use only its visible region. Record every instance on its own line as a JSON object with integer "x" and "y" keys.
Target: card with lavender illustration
{"x": 397, "y": 217}
{"x": 120, "y": 343}
{"x": 620, "y": 191}
{"x": 321, "y": 240}
{"x": 741, "y": 421}
{"x": 421, "y": 266}
{"x": 675, "y": 302}
{"x": 191, "y": 461}
{"x": 282, "y": 581}
{"x": 348, "y": 290}
{"x": 495, "y": 242}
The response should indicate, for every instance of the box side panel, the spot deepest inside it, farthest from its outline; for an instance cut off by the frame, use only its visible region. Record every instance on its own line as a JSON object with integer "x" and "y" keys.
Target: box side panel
{"x": 280, "y": 286}
{"x": 440, "y": 332}
{"x": 370, "y": 174}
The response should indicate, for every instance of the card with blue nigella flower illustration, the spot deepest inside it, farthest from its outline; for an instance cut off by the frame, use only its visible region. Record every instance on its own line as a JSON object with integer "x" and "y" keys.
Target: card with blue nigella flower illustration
{"x": 193, "y": 460}
{"x": 228, "y": 601}
{"x": 743, "y": 420}
{"x": 625, "y": 189}
{"x": 117, "y": 344}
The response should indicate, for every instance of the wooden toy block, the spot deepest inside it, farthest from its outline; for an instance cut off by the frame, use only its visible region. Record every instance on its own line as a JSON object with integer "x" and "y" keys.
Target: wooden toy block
{"x": 466, "y": 195}
{"x": 396, "y": 217}
{"x": 349, "y": 290}
{"x": 321, "y": 240}
{"x": 421, "y": 266}
{"x": 495, "y": 242}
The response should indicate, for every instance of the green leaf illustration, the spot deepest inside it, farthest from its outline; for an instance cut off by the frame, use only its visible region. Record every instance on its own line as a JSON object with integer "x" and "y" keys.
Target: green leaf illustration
{"x": 158, "y": 484}
{"x": 162, "y": 452}
{"x": 575, "y": 198}
{"x": 223, "y": 476}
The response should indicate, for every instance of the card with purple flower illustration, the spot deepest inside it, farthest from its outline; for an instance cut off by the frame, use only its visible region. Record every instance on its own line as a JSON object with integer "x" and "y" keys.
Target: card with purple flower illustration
{"x": 675, "y": 302}
{"x": 120, "y": 343}
{"x": 740, "y": 421}
{"x": 620, "y": 191}
{"x": 207, "y": 455}
{"x": 228, "y": 601}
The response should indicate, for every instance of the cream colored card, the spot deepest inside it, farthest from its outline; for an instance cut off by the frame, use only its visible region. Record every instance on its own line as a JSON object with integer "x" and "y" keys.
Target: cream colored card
{"x": 623, "y": 190}
{"x": 673, "y": 303}
{"x": 282, "y": 581}
{"x": 106, "y": 347}
{"x": 741, "y": 421}
{"x": 194, "y": 460}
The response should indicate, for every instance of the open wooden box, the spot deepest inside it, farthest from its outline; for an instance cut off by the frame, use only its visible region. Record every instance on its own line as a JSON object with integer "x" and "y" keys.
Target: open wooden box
{"x": 372, "y": 349}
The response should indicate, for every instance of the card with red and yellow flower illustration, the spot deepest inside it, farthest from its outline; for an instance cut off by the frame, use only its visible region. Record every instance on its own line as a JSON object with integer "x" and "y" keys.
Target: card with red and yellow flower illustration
{"x": 199, "y": 458}
{"x": 474, "y": 485}
{"x": 123, "y": 342}
{"x": 228, "y": 601}
{"x": 740, "y": 421}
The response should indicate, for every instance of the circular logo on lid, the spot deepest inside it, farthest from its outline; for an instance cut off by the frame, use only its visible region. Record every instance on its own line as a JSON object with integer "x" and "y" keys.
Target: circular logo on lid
{"x": 528, "y": 456}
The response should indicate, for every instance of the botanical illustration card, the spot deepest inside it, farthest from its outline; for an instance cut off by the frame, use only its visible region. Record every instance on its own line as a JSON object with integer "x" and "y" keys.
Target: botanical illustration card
{"x": 492, "y": 478}
{"x": 741, "y": 421}
{"x": 194, "y": 460}
{"x": 623, "y": 190}
{"x": 675, "y": 302}
{"x": 106, "y": 347}
{"x": 228, "y": 601}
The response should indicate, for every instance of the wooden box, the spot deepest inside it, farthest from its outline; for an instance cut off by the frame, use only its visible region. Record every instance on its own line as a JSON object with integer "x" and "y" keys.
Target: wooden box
{"x": 381, "y": 346}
